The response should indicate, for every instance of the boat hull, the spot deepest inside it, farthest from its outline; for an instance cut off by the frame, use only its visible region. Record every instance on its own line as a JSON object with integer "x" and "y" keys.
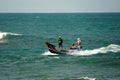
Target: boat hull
{"x": 53, "y": 49}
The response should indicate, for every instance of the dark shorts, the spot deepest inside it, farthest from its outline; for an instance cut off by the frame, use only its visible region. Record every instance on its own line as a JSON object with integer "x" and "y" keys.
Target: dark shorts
{"x": 60, "y": 44}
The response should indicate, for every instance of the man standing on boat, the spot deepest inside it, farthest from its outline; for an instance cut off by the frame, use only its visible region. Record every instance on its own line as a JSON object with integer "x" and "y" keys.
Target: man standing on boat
{"x": 79, "y": 45}
{"x": 60, "y": 41}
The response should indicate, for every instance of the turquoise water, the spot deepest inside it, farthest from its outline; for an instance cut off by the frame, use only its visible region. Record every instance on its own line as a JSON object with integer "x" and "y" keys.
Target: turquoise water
{"x": 24, "y": 55}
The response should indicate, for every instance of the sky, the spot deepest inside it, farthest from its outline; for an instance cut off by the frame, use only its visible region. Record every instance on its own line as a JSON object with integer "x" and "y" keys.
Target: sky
{"x": 58, "y": 6}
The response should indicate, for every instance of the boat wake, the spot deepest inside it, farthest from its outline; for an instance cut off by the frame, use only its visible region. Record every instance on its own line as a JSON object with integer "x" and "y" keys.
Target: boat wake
{"x": 110, "y": 48}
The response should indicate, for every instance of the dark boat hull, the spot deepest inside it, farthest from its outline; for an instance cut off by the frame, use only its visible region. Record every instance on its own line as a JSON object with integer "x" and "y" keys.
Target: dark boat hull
{"x": 53, "y": 49}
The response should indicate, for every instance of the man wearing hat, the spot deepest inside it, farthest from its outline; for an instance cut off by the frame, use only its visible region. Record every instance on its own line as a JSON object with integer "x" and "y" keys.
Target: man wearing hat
{"x": 79, "y": 45}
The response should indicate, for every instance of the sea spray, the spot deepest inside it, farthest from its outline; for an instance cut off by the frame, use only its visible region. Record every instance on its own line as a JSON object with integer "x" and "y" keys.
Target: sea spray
{"x": 49, "y": 53}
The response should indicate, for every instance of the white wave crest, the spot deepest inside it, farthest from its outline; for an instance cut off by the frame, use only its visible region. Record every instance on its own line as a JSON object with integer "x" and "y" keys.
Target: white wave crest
{"x": 3, "y": 34}
{"x": 87, "y": 78}
{"x": 109, "y": 48}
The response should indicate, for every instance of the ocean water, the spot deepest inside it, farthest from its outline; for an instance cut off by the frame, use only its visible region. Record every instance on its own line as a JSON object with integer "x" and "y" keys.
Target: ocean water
{"x": 24, "y": 55}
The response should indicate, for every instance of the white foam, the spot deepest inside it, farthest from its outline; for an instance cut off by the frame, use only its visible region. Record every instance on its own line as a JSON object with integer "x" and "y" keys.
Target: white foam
{"x": 87, "y": 78}
{"x": 3, "y": 34}
{"x": 109, "y": 48}
{"x": 49, "y": 53}
{"x": 56, "y": 57}
{"x": 3, "y": 41}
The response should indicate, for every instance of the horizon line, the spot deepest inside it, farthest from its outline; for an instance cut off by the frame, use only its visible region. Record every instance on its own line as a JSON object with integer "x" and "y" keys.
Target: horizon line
{"x": 59, "y": 12}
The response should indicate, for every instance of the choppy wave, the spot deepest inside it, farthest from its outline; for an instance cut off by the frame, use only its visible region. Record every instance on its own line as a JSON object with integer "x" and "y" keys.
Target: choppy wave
{"x": 110, "y": 48}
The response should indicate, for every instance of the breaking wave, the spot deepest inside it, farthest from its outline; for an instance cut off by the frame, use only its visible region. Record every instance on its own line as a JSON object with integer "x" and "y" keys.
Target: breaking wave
{"x": 3, "y": 34}
{"x": 110, "y": 48}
